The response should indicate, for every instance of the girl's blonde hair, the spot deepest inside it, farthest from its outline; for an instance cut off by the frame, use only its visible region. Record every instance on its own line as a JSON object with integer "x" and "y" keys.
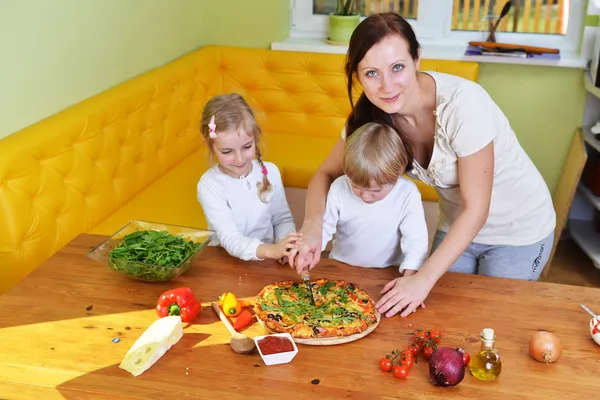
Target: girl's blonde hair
{"x": 232, "y": 113}
{"x": 374, "y": 152}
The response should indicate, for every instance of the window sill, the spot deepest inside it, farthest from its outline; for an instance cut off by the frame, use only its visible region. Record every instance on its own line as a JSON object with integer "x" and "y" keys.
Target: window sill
{"x": 434, "y": 52}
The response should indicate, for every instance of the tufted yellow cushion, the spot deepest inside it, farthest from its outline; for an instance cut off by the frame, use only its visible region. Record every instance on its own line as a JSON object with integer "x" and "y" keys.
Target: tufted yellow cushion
{"x": 65, "y": 174}
{"x": 170, "y": 199}
{"x": 134, "y": 151}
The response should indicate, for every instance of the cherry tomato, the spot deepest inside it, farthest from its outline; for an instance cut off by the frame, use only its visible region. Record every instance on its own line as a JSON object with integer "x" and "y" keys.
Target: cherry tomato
{"x": 413, "y": 348}
{"x": 420, "y": 337}
{"x": 435, "y": 335}
{"x": 400, "y": 371}
{"x": 406, "y": 354}
{"x": 428, "y": 351}
{"x": 466, "y": 358}
{"x": 408, "y": 362}
{"x": 386, "y": 364}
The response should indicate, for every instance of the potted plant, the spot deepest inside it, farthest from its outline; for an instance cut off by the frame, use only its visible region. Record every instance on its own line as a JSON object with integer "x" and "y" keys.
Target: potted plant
{"x": 343, "y": 21}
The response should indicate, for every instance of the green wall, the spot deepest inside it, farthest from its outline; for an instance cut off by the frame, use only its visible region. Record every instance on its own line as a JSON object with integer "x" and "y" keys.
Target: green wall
{"x": 57, "y": 53}
{"x": 241, "y": 23}
{"x": 544, "y": 104}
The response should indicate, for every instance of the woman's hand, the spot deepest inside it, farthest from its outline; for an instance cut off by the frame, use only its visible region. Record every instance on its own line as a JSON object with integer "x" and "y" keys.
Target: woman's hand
{"x": 308, "y": 254}
{"x": 404, "y": 293}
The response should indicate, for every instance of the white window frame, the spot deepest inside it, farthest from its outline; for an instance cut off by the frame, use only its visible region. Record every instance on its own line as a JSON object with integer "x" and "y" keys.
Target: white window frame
{"x": 433, "y": 26}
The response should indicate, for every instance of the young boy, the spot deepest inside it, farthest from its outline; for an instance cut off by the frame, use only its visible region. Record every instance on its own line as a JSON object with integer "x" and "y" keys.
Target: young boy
{"x": 376, "y": 214}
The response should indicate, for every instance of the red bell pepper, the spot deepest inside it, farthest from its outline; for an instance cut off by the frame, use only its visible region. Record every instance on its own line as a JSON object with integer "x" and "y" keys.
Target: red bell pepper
{"x": 180, "y": 301}
{"x": 242, "y": 320}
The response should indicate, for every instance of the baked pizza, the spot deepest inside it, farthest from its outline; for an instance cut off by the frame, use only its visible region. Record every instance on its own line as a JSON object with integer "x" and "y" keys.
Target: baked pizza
{"x": 340, "y": 309}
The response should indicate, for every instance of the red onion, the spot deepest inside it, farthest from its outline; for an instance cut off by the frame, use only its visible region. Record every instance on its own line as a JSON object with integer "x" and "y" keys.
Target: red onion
{"x": 446, "y": 366}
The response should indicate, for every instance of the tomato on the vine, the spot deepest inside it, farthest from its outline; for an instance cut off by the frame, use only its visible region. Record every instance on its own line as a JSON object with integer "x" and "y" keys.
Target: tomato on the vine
{"x": 466, "y": 359}
{"x": 413, "y": 348}
{"x": 428, "y": 351}
{"x": 420, "y": 337}
{"x": 408, "y": 362}
{"x": 386, "y": 364}
{"x": 400, "y": 371}
{"x": 435, "y": 335}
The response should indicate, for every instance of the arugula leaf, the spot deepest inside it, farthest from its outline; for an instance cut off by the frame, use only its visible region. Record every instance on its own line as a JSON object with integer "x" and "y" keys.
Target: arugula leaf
{"x": 343, "y": 297}
{"x": 325, "y": 288}
{"x": 152, "y": 255}
{"x": 267, "y": 307}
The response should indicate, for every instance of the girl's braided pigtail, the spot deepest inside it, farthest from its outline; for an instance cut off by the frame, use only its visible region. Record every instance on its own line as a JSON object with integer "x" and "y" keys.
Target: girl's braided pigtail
{"x": 264, "y": 187}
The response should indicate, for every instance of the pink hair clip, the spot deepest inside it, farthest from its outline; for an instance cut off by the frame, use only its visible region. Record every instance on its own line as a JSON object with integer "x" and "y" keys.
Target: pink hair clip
{"x": 264, "y": 170}
{"x": 212, "y": 128}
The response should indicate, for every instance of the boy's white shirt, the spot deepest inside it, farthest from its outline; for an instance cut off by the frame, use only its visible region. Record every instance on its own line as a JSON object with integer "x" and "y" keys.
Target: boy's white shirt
{"x": 242, "y": 222}
{"x": 391, "y": 231}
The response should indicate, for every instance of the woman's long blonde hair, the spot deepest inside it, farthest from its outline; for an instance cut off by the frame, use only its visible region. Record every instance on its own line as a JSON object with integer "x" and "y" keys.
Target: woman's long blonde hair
{"x": 374, "y": 152}
{"x": 232, "y": 113}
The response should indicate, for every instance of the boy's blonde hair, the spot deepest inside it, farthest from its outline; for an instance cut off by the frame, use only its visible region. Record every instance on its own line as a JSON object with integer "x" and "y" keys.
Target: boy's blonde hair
{"x": 374, "y": 152}
{"x": 232, "y": 113}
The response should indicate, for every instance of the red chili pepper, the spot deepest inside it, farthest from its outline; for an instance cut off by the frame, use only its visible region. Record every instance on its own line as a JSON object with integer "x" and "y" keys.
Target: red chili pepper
{"x": 180, "y": 301}
{"x": 242, "y": 320}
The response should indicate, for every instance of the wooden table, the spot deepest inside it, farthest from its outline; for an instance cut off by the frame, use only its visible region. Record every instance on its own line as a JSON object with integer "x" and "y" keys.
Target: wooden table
{"x": 58, "y": 324}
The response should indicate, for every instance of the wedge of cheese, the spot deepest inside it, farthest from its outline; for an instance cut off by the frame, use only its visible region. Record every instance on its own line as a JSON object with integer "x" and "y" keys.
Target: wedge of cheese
{"x": 153, "y": 344}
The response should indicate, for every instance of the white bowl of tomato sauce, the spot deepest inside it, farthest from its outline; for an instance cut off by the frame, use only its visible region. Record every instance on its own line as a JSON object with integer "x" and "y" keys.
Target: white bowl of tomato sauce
{"x": 595, "y": 330}
{"x": 277, "y": 348}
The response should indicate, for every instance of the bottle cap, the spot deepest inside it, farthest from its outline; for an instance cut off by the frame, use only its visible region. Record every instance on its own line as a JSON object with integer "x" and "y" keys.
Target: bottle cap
{"x": 488, "y": 334}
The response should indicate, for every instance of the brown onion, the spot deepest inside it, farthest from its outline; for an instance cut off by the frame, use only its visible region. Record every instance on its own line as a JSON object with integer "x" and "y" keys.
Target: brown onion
{"x": 446, "y": 366}
{"x": 545, "y": 347}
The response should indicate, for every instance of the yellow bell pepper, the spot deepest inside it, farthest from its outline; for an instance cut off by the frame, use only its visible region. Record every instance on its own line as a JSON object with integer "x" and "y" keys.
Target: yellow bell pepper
{"x": 231, "y": 306}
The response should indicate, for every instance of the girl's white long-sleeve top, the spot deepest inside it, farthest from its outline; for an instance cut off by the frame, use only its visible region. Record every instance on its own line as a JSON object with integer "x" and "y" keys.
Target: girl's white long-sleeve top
{"x": 391, "y": 231}
{"x": 242, "y": 222}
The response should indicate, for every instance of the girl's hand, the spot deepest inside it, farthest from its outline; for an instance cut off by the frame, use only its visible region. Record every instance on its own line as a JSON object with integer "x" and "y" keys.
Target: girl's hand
{"x": 282, "y": 249}
{"x": 291, "y": 242}
{"x": 405, "y": 293}
{"x": 283, "y": 260}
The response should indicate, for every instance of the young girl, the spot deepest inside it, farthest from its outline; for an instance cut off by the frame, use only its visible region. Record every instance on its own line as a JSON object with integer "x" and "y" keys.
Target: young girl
{"x": 242, "y": 197}
{"x": 379, "y": 215}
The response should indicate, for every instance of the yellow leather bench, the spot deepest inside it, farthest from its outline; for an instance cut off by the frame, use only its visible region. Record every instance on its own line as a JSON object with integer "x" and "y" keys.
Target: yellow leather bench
{"x": 134, "y": 151}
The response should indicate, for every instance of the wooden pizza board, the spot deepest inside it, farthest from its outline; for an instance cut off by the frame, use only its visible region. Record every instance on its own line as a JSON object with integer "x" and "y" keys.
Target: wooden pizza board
{"x": 330, "y": 341}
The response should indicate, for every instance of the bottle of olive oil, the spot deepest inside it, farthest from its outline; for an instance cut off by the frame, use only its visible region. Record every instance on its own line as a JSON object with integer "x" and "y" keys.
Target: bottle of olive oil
{"x": 486, "y": 364}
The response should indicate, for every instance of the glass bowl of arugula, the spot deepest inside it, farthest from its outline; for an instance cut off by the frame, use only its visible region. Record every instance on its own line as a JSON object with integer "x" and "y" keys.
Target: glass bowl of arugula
{"x": 150, "y": 251}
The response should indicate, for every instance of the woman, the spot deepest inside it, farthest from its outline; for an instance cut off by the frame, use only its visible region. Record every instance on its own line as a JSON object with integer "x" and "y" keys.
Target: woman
{"x": 496, "y": 213}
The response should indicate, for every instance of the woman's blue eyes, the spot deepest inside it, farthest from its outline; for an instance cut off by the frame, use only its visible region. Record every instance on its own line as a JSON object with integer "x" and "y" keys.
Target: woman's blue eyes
{"x": 395, "y": 68}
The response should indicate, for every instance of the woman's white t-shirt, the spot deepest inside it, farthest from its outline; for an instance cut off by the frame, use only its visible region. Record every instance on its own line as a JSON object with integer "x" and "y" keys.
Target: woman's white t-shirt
{"x": 467, "y": 119}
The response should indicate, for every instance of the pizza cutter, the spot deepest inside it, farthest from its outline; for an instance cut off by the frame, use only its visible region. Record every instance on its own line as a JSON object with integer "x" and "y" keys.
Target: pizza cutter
{"x": 306, "y": 277}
